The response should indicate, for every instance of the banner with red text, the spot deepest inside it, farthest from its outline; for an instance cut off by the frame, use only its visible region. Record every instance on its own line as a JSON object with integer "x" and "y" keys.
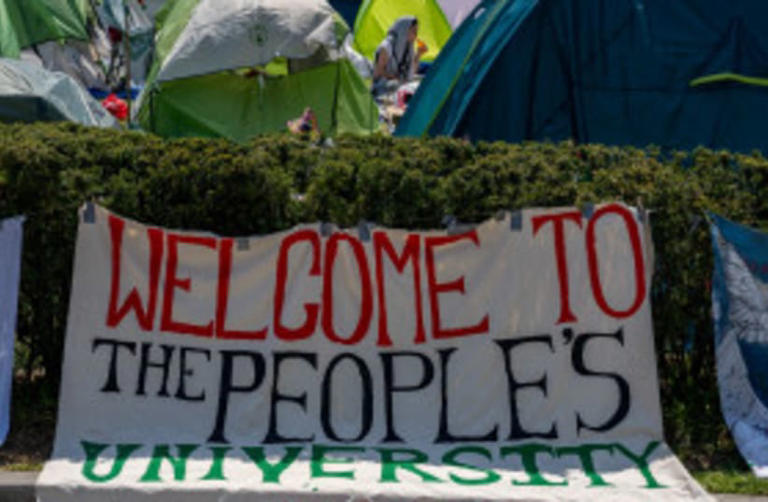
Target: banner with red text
{"x": 509, "y": 361}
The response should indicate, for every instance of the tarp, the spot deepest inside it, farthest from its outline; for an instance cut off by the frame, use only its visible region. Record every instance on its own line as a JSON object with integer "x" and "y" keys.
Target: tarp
{"x": 740, "y": 311}
{"x": 11, "y": 234}
{"x": 510, "y": 361}
{"x": 29, "y": 22}
{"x": 29, "y": 93}
{"x": 375, "y": 17}
{"x": 244, "y": 68}
{"x": 677, "y": 75}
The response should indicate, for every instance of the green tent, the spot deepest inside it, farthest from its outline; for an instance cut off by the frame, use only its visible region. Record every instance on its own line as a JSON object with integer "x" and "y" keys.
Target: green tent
{"x": 28, "y": 22}
{"x": 29, "y": 93}
{"x": 375, "y": 17}
{"x": 238, "y": 69}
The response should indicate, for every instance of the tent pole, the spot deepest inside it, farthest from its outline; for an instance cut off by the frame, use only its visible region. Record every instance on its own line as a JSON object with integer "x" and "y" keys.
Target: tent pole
{"x": 127, "y": 42}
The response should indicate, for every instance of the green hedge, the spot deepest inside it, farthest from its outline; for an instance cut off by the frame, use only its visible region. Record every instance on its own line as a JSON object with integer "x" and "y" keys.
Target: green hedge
{"x": 47, "y": 171}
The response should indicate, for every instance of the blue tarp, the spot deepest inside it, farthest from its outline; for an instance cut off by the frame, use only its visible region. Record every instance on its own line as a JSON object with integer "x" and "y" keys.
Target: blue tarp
{"x": 675, "y": 74}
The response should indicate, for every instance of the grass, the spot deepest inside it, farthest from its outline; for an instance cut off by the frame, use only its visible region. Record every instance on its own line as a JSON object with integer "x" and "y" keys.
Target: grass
{"x": 737, "y": 482}
{"x": 23, "y": 467}
{"x": 33, "y": 422}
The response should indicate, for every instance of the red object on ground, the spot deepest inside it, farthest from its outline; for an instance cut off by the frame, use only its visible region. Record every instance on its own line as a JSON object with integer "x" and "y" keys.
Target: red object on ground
{"x": 403, "y": 97}
{"x": 116, "y": 106}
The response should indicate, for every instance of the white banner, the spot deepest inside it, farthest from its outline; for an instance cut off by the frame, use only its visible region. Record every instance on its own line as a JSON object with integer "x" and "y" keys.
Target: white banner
{"x": 514, "y": 361}
{"x": 11, "y": 237}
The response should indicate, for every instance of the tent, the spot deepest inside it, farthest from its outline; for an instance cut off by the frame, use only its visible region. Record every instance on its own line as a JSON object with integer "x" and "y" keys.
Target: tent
{"x": 141, "y": 26}
{"x": 675, "y": 74}
{"x": 29, "y": 93}
{"x": 372, "y": 18}
{"x": 152, "y": 7}
{"x": 28, "y": 22}
{"x": 237, "y": 69}
{"x": 375, "y": 17}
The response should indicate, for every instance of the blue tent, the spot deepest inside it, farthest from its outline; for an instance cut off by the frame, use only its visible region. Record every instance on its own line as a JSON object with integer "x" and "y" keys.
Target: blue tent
{"x": 677, "y": 74}
{"x": 347, "y": 8}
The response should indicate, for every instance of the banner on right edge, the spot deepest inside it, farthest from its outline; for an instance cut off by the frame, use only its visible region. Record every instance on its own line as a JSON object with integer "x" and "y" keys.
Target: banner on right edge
{"x": 740, "y": 312}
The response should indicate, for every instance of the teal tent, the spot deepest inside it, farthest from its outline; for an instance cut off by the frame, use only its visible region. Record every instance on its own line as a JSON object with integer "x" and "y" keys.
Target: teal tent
{"x": 676, "y": 74}
{"x": 29, "y": 93}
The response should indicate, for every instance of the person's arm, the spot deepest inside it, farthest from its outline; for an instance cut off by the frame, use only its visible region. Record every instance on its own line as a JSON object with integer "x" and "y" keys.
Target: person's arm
{"x": 380, "y": 70}
{"x": 421, "y": 49}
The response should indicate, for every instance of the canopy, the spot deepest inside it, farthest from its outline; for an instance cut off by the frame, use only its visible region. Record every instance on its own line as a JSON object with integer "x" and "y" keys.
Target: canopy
{"x": 29, "y": 93}
{"x": 29, "y": 22}
{"x": 675, "y": 74}
{"x": 242, "y": 68}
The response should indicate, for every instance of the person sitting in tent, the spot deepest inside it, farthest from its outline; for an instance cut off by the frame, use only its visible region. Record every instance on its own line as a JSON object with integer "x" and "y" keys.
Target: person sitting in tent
{"x": 395, "y": 62}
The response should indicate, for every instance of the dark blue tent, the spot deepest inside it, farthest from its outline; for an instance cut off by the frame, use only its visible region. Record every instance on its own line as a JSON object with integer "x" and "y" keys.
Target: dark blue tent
{"x": 675, "y": 73}
{"x": 348, "y": 10}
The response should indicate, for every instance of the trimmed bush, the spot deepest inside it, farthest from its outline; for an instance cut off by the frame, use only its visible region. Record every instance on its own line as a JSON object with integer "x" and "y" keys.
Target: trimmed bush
{"x": 275, "y": 182}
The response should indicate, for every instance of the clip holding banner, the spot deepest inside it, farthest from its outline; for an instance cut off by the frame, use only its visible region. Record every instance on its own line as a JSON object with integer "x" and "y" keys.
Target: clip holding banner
{"x": 587, "y": 210}
{"x": 449, "y": 222}
{"x": 696, "y": 221}
{"x": 326, "y": 229}
{"x": 363, "y": 231}
{"x": 641, "y": 213}
{"x": 243, "y": 244}
{"x": 89, "y": 215}
{"x": 516, "y": 221}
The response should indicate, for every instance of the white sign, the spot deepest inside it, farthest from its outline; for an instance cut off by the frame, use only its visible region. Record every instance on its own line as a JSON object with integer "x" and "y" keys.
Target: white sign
{"x": 511, "y": 362}
{"x": 11, "y": 236}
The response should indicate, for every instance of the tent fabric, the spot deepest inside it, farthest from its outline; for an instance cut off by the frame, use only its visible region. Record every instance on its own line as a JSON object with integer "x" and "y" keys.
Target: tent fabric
{"x": 603, "y": 71}
{"x": 219, "y": 36}
{"x": 153, "y": 7}
{"x": 244, "y": 68}
{"x": 375, "y": 17}
{"x": 457, "y": 10}
{"x": 28, "y": 22}
{"x": 233, "y": 106}
{"x": 29, "y": 93}
{"x": 141, "y": 27}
